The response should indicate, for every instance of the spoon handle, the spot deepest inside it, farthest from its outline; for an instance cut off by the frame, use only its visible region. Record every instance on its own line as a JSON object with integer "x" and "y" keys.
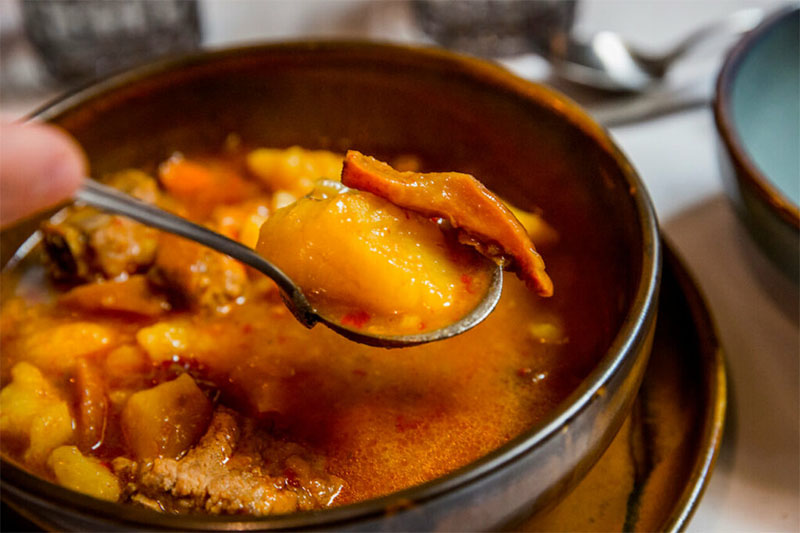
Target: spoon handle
{"x": 733, "y": 25}
{"x": 113, "y": 201}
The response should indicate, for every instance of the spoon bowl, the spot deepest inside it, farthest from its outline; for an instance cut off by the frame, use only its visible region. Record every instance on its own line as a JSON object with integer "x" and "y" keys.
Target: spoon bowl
{"x": 606, "y": 61}
{"x": 111, "y": 200}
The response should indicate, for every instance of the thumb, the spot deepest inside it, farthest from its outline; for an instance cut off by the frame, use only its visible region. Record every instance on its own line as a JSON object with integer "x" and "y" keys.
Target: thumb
{"x": 40, "y": 166}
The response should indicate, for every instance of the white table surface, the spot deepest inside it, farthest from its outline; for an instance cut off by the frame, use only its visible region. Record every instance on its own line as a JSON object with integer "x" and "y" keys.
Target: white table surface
{"x": 756, "y": 483}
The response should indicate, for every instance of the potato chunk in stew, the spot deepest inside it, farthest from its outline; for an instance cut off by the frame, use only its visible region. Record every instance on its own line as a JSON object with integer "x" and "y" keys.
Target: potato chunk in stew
{"x": 83, "y": 474}
{"x": 33, "y": 412}
{"x": 166, "y": 420}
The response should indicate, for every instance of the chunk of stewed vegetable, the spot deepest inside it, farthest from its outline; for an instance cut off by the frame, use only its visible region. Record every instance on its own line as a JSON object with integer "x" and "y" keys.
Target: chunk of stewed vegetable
{"x": 84, "y": 474}
{"x": 372, "y": 265}
{"x": 32, "y": 410}
{"x": 166, "y": 420}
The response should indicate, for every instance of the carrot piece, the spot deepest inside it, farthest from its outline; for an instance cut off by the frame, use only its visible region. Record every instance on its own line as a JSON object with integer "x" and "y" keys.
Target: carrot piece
{"x": 484, "y": 220}
{"x": 184, "y": 178}
{"x": 201, "y": 185}
{"x": 132, "y": 295}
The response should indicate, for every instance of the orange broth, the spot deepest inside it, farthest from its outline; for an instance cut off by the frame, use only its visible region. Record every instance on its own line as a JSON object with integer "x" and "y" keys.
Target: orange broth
{"x": 335, "y": 422}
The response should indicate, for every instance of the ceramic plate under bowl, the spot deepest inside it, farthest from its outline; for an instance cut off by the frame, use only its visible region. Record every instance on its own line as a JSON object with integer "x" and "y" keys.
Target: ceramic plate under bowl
{"x": 653, "y": 475}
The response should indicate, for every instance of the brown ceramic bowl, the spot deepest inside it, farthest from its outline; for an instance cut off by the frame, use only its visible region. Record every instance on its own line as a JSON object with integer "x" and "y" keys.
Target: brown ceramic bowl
{"x": 525, "y": 141}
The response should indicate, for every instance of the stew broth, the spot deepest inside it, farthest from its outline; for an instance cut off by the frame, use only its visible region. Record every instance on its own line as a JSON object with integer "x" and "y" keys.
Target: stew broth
{"x": 170, "y": 376}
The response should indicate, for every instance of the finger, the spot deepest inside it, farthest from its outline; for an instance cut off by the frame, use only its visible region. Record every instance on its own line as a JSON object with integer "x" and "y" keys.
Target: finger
{"x": 40, "y": 166}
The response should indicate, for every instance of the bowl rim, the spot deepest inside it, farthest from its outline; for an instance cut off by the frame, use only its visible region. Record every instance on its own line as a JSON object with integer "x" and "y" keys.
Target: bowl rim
{"x": 752, "y": 176}
{"x": 632, "y": 331}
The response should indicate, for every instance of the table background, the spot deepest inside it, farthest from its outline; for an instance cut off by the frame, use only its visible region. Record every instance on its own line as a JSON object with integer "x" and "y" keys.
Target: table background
{"x": 756, "y": 483}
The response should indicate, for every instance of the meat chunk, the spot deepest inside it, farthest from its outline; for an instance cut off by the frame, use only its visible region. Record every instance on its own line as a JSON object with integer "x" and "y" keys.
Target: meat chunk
{"x": 84, "y": 244}
{"x": 235, "y": 468}
{"x": 484, "y": 220}
{"x": 198, "y": 276}
{"x": 88, "y": 245}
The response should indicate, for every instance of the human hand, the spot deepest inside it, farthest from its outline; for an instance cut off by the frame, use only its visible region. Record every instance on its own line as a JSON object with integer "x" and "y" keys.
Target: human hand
{"x": 40, "y": 166}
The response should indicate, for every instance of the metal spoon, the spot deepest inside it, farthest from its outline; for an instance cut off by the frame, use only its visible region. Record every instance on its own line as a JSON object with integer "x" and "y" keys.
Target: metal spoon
{"x": 113, "y": 201}
{"x": 607, "y": 62}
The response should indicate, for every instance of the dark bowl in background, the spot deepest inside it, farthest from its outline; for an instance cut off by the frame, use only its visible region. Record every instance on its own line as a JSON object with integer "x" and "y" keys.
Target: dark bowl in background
{"x": 523, "y": 140}
{"x": 757, "y": 114}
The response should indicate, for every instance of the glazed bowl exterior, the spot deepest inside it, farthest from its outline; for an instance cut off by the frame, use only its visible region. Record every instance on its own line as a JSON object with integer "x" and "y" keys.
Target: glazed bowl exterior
{"x": 757, "y": 114}
{"x": 525, "y": 141}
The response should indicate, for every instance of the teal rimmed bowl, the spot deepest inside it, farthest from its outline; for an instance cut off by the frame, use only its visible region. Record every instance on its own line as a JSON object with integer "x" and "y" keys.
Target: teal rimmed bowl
{"x": 757, "y": 114}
